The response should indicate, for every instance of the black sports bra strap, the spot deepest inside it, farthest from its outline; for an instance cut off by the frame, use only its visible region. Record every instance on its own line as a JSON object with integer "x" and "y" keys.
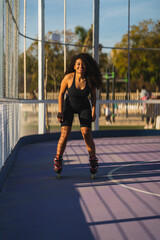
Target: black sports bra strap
{"x": 73, "y": 82}
{"x": 74, "y": 79}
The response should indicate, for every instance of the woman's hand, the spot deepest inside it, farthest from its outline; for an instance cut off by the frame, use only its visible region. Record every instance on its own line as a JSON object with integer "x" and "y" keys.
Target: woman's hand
{"x": 93, "y": 100}
{"x": 60, "y": 117}
{"x": 93, "y": 115}
{"x": 64, "y": 85}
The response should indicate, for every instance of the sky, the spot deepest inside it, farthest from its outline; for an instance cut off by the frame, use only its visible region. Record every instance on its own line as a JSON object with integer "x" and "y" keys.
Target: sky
{"x": 113, "y": 17}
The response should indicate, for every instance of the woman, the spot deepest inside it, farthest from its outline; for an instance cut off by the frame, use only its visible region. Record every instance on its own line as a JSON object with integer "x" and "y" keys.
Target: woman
{"x": 149, "y": 112}
{"x": 81, "y": 78}
{"x": 107, "y": 115}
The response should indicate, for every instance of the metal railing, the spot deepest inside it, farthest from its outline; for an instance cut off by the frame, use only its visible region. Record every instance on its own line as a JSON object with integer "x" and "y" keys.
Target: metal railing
{"x": 19, "y": 118}
{"x": 15, "y": 114}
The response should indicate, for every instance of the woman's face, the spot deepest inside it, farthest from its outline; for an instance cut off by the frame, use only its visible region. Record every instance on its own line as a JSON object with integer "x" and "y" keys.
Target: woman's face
{"x": 79, "y": 66}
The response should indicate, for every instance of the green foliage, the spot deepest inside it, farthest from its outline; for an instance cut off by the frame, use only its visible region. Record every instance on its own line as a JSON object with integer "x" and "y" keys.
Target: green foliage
{"x": 54, "y": 63}
{"x": 81, "y": 32}
{"x": 32, "y": 72}
{"x": 144, "y": 64}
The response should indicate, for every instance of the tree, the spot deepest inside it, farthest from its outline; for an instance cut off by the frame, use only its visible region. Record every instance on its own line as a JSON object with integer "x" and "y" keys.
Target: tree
{"x": 54, "y": 70}
{"x": 84, "y": 38}
{"x": 81, "y": 32}
{"x": 54, "y": 53}
{"x": 144, "y": 64}
{"x": 32, "y": 72}
{"x": 88, "y": 40}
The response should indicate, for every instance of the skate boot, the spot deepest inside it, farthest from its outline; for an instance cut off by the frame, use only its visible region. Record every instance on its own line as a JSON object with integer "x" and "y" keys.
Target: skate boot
{"x": 58, "y": 165}
{"x": 93, "y": 165}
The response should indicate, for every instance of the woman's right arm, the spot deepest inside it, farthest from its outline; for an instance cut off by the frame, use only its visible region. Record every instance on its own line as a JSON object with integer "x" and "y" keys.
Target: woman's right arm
{"x": 64, "y": 85}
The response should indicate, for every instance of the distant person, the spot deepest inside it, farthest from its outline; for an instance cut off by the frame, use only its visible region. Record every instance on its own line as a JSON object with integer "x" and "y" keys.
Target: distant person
{"x": 157, "y": 113}
{"x": 33, "y": 97}
{"x": 143, "y": 95}
{"x": 107, "y": 115}
{"x": 116, "y": 109}
{"x": 149, "y": 112}
{"x": 81, "y": 78}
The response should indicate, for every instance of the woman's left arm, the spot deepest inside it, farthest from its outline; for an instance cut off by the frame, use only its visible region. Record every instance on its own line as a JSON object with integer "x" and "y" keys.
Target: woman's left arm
{"x": 93, "y": 101}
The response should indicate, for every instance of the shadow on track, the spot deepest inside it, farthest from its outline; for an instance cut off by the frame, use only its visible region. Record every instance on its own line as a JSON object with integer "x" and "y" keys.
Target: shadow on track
{"x": 34, "y": 204}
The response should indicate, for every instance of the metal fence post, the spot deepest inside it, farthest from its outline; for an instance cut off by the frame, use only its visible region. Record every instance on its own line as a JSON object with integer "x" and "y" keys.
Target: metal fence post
{"x": 95, "y": 125}
{"x": 2, "y": 46}
{"x": 42, "y": 112}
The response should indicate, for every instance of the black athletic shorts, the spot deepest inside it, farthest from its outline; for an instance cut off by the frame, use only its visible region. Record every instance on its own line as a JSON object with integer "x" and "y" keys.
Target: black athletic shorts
{"x": 84, "y": 114}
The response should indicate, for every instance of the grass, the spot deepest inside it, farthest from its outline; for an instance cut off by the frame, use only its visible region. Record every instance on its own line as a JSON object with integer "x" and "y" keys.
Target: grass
{"x": 120, "y": 127}
{"x": 77, "y": 127}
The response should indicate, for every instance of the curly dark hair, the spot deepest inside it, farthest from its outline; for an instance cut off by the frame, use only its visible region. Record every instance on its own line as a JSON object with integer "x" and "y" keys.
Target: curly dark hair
{"x": 92, "y": 73}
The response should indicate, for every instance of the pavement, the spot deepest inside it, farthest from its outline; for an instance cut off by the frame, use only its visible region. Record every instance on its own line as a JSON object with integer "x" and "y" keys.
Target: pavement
{"x": 121, "y": 203}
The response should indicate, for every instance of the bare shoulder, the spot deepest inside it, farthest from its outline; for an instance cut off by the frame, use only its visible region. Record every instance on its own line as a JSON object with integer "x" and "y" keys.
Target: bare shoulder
{"x": 66, "y": 78}
{"x": 69, "y": 79}
{"x": 69, "y": 76}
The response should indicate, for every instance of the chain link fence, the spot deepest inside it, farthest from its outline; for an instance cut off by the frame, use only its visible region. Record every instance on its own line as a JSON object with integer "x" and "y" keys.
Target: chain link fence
{"x": 9, "y": 48}
{"x": 127, "y": 33}
{"x": 9, "y": 52}
{"x": 129, "y": 46}
{"x": 126, "y": 29}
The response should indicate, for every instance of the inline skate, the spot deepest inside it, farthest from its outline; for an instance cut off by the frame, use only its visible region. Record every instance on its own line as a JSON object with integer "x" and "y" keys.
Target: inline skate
{"x": 58, "y": 165}
{"x": 93, "y": 165}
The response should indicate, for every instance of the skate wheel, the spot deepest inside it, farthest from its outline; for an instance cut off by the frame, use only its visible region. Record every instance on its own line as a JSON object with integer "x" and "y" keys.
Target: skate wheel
{"x": 58, "y": 176}
{"x": 92, "y": 176}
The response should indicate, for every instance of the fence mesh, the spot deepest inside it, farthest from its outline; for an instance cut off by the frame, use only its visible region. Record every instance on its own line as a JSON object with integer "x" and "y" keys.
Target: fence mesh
{"x": 129, "y": 46}
{"x": 122, "y": 24}
{"x": 9, "y": 53}
{"x": 9, "y": 133}
{"x": 9, "y": 49}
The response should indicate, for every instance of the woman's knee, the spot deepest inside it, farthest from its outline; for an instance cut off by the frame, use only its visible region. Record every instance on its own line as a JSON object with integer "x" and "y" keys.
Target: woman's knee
{"x": 86, "y": 133}
{"x": 65, "y": 131}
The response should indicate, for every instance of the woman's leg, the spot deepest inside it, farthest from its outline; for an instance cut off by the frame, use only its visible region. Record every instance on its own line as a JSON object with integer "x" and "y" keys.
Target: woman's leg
{"x": 65, "y": 132}
{"x": 87, "y": 136}
{"x": 152, "y": 120}
{"x": 86, "y": 133}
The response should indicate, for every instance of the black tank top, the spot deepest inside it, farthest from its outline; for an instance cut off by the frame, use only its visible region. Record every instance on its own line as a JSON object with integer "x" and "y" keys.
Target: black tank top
{"x": 78, "y": 98}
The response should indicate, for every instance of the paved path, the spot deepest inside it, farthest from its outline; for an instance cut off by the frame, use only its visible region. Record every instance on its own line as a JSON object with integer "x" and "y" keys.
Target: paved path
{"x": 122, "y": 203}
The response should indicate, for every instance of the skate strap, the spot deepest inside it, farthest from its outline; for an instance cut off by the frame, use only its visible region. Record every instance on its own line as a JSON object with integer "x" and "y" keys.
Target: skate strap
{"x": 94, "y": 163}
{"x": 94, "y": 158}
{"x": 57, "y": 162}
